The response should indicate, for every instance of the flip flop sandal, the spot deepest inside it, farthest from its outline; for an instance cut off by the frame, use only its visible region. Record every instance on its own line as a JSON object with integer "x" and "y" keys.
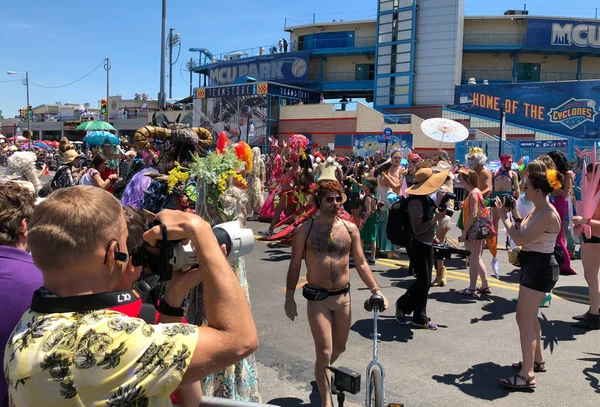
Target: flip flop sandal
{"x": 538, "y": 367}
{"x": 511, "y": 383}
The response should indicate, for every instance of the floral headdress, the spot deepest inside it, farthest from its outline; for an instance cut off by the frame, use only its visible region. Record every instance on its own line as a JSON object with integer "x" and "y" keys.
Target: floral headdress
{"x": 298, "y": 144}
{"x": 414, "y": 158}
{"x": 214, "y": 175}
{"x": 552, "y": 177}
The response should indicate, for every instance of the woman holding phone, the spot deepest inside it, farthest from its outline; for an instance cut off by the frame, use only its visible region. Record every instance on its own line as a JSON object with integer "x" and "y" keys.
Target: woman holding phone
{"x": 539, "y": 269}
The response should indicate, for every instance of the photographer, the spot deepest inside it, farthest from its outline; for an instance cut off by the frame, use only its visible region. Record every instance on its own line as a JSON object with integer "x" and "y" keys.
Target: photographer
{"x": 539, "y": 269}
{"x": 423, "y": 217}
{"x": 71, "y": 346}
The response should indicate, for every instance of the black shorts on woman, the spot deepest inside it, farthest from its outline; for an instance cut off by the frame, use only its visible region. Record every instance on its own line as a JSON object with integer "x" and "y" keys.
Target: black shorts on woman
{"x": 539, "y": 271}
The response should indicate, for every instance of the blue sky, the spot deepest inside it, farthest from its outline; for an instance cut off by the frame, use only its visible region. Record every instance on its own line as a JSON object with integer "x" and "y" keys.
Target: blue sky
{"x": 60, "y": 41}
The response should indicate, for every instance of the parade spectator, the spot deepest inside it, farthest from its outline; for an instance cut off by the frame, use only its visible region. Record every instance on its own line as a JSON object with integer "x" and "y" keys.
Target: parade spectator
{"x": 474, "y": 233}
{"x": 369, "y": 212}
{"x": 66, "y": 175}
{"x": 19, "y": 277}
{"x": 560, "y": 200}
{"x": 590, "y": 258}
{"x": 77, "y": 241}
{"x": 92, "y": 175}
{"x": 539, "y": 270}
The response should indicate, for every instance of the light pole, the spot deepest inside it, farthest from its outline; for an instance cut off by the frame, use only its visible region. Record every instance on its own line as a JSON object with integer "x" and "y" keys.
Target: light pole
{"x": 173, "y": 40}
{"x": 163, "y": 56}
{"x": 26, "y": 83}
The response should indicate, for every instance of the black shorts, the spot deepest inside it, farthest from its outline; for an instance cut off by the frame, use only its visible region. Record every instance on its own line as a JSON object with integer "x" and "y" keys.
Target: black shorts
{"x": 539, "y": 271}
{"x": 593, "y": 239}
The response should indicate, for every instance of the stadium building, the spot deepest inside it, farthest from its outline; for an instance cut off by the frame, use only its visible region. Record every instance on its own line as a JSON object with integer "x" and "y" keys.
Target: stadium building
{"x": 416, "y": 60}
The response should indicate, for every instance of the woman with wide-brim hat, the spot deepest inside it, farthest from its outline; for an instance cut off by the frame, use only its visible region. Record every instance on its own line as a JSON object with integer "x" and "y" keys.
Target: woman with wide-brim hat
{"x": 422, "y": 217}
{"x": 64, "y": 175}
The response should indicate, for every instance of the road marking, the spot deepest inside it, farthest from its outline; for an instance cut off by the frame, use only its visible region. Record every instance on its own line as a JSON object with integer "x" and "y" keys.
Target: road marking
{"x": 393, "y": 263}
{"x": 297, "y": 285}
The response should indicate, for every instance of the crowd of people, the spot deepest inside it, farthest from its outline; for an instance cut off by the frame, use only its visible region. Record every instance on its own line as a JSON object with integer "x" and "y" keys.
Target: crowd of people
{"x": 87, "y": 227}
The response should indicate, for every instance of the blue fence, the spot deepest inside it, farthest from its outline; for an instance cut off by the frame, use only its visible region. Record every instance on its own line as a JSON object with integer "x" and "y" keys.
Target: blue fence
{"x": 532, "y": 148}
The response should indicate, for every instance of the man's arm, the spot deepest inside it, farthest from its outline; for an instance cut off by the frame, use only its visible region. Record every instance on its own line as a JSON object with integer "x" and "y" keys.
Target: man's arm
{"x": 516, "y": 185}
{"x": 293, "y": 274}
{"x": 362, "y": 267}
{"x": 487, "y": 176}
{"x": 231, "y": 333}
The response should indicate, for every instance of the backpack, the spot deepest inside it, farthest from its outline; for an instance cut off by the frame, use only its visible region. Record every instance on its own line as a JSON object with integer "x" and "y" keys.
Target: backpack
{"x": 398, "y": 229}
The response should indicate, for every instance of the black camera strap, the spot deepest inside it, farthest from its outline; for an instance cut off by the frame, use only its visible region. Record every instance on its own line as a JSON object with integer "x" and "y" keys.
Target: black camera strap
{"x": 91, "y": 302}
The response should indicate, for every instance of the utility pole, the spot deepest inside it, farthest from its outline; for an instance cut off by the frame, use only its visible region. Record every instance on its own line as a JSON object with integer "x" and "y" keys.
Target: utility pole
{"x": 107, "y": 67}
{"x": 191, "y": 78}
{"x": 163, "y": 56}
{"x": 28, "y": 113}
{"x": 170, "y": 63}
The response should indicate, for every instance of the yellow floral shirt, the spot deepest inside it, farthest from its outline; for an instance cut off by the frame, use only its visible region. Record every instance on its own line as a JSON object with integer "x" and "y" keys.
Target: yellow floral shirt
{"x": 98, "y": 358}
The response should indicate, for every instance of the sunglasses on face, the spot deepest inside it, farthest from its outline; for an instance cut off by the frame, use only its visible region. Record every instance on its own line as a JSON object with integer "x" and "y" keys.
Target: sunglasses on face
{"x": 331, "y": 199}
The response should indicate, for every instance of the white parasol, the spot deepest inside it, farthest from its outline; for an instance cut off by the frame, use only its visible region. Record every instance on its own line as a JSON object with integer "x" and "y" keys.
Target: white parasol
{"x": 2, "y": 136}
{"x": 444, "y": 130}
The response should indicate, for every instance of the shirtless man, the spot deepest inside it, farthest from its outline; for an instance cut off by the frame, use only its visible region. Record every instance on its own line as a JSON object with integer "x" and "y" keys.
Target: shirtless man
{"x": 505, "y": 183}
{"x": 476, "y": 160}
{"x": 326, "y": 242}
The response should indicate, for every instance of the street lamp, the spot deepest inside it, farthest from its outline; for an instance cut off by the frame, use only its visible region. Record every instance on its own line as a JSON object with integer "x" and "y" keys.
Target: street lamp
{"x": 26, "y": 83}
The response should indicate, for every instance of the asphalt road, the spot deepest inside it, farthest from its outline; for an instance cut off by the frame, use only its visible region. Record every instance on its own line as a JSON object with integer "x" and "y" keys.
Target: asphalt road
{"x": 459, "y": 364}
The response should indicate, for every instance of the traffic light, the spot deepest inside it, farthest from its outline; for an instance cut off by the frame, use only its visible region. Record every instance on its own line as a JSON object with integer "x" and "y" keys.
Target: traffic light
{"x": 103, "y": 107}
{"x": 30, "y": 110}
{"x": 22, "y": 112}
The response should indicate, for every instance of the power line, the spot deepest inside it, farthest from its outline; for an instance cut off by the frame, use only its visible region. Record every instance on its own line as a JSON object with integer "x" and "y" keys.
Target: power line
{"x": 12, "y": 80}
{"x": 70, "y": 83}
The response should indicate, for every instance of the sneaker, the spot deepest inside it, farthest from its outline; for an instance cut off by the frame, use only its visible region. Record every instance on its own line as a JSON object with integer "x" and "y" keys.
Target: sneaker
{"x": 428, "y": 325}
{"x": 590, "y": 322}
{"x": 265, "y": 233}
{"x": 496, "y": 267}
{"x": 371, "y": 260}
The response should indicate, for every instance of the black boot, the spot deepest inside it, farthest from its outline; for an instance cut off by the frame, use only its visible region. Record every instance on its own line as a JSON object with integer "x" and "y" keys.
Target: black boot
{"x": 590, "y": 322}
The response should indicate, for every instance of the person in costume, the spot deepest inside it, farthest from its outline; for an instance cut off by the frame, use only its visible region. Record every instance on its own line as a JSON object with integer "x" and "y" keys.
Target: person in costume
{"x": 256, "y": 185}
{"x": 589, "y": 227}
{"x": 505, "y": 183}
{"x": 560, "y": 200}
{"x": 21, "y": 167}
{"x": 368, "y": 224}
{"x": 476, "y": 160}
{"x": 293, "y": 183}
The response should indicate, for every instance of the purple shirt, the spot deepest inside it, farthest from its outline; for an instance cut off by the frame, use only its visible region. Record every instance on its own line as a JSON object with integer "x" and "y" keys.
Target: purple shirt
{"x": 19, "y": 278}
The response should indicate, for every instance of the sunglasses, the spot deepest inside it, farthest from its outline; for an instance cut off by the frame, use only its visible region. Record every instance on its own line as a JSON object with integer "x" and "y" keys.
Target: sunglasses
{"x": 337, "y": 199}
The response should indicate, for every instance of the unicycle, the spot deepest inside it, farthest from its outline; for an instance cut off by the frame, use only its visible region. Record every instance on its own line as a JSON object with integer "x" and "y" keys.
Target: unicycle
{"x": 375, "y": 371}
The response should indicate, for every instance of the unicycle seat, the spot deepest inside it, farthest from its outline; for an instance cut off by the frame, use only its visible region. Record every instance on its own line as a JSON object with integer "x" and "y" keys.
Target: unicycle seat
{"x": 376, "y": 301}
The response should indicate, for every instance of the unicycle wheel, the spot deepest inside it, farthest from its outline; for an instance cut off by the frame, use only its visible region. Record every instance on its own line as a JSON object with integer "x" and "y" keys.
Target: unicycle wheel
{"x": 375, "y": 399}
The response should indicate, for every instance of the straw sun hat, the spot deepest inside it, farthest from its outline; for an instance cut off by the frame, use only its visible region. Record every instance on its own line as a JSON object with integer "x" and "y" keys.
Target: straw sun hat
{"x": 427, "y": 182}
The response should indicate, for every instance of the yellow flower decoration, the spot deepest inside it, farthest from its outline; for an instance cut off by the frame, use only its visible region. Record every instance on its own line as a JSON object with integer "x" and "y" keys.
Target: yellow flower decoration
{"x": 177, "y": 175}
{"x": 552, "y": 177}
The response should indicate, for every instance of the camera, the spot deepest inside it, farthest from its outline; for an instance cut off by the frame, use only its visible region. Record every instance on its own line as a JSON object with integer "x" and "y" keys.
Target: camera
{"x": 169, "y": 255}
{"x": 444, "y": 252}
{"x": 443, "y": 205}
{"x": 508, "y": 202}
{"x": 345, "y": 379}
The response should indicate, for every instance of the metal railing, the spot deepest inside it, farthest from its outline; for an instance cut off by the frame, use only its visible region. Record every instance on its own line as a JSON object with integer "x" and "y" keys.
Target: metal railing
{"x": 487, "y": 74}
{"x": 336, "y": 77}
{"x": 493, "y": 75}
{"x": 484, "y": 39}
{"x": 292, "y": 46}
